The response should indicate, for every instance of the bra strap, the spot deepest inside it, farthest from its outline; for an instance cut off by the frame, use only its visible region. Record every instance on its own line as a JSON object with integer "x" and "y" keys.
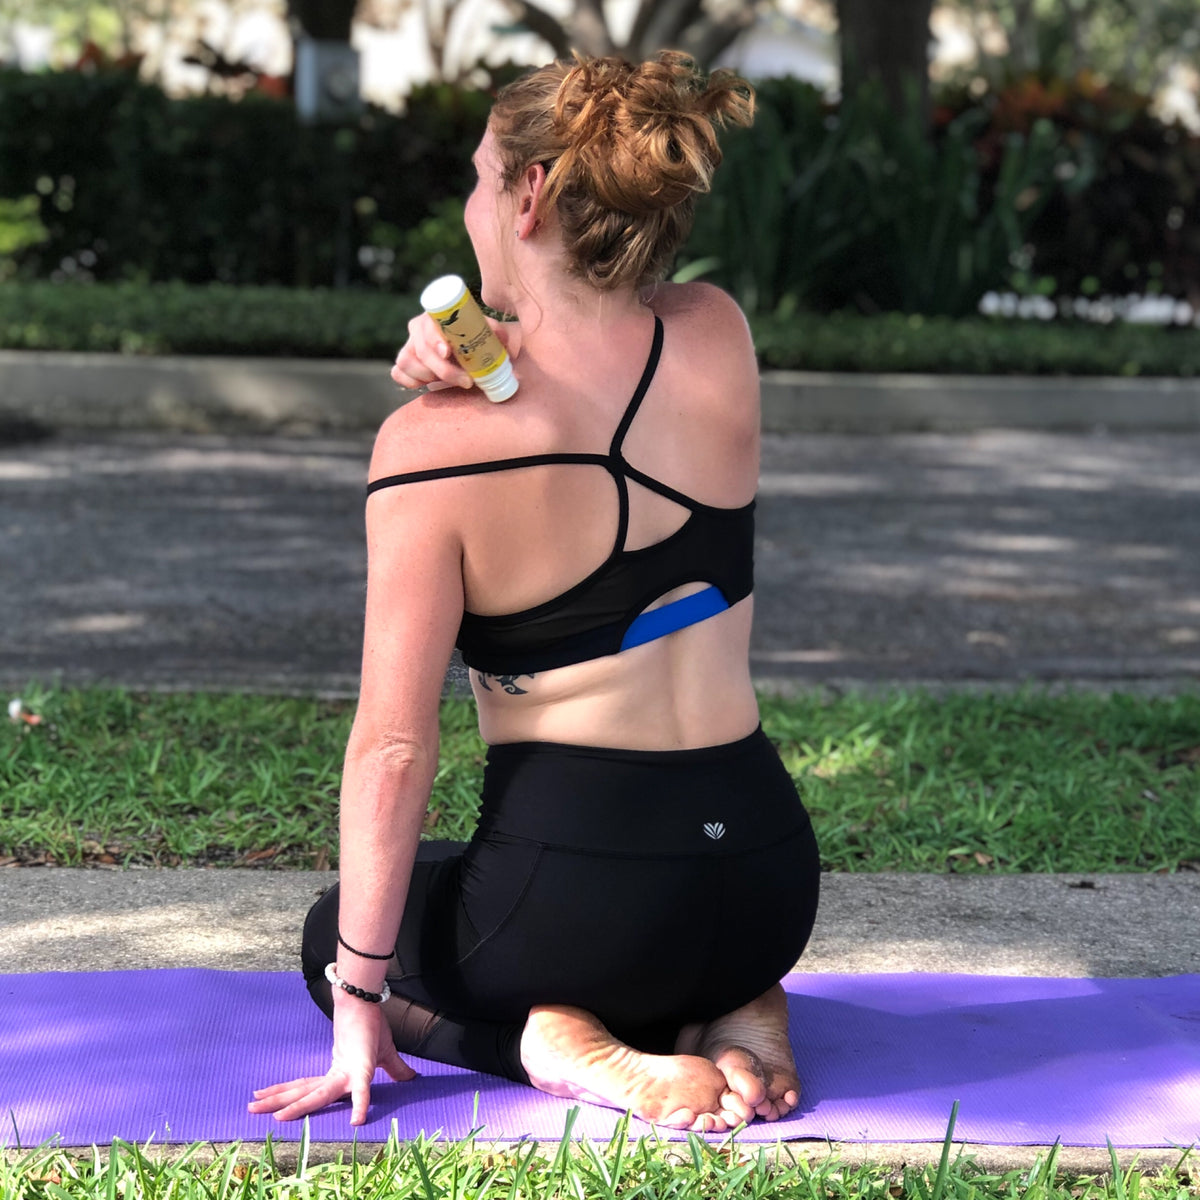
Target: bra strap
{"x": 642, "y": 387}
{"x": 482, "y": 468}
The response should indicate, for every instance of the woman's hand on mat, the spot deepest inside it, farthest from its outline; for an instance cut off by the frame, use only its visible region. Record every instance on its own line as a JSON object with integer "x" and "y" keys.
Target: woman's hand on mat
{"x": 425, "y": 360}
{"x": 362, "y": 1041}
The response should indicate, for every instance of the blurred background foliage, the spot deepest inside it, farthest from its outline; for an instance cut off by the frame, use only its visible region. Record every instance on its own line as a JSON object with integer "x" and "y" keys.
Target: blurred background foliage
{"x": 132, "y": 184}
{"x": 1062, "y": 188}
{"x": 1041, "y": 167}
{"x": 1139, "y": 43}
{"x": 1066, "y": 189}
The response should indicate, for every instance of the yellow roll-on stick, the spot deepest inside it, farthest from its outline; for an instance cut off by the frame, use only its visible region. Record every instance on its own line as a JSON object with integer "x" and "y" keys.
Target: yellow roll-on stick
{"x": 478, "y": 350}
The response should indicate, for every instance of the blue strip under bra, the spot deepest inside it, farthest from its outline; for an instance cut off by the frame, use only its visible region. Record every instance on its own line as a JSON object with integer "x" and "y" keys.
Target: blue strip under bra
{"x": 658, "y": 622}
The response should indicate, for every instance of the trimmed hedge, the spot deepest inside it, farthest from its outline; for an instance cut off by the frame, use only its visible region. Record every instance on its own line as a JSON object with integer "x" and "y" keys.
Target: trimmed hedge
{"x": 132, "y": 184}
{"x": 217, "y": 319}
{"x": 846, "y": 341}
{"x": 173, "y": 318}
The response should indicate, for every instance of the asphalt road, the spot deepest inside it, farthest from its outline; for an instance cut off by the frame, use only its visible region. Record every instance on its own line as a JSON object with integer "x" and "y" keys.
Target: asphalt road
{"x": 997, "y": 557}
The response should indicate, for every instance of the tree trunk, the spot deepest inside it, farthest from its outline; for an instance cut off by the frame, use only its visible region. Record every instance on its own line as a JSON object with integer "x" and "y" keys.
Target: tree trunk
{"x": 886, "y": 41}
{"x": 326, "y": 20}
{"x": 1023, "y": 39}
{"x": 658, "y": 25}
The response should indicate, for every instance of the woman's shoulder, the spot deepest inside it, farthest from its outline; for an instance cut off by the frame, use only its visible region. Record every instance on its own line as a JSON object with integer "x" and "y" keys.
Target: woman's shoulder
{"x": 435, "y": 430}
{"x": 712, "y": 349}
{"x": 701, "y": 304}
{"x": 709, "y": 320}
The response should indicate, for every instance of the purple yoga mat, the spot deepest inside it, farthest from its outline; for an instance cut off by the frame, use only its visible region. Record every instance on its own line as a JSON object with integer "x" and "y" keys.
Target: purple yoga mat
{"x": 174, "y": 1055}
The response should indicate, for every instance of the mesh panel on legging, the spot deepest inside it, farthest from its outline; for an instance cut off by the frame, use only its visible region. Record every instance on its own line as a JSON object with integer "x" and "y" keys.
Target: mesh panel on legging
{"x": 490, "y": 1046}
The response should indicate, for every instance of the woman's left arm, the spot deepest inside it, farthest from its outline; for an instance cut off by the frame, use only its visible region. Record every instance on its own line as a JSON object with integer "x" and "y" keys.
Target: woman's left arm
{"x": 414, "y": 607}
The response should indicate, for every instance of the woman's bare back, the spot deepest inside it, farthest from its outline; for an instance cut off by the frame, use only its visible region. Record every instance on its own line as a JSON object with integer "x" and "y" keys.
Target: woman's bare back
{"x": 532, "y": 533}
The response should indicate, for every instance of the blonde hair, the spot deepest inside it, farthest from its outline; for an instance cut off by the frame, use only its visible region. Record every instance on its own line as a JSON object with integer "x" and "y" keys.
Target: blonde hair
{"x": 627, "y": 148}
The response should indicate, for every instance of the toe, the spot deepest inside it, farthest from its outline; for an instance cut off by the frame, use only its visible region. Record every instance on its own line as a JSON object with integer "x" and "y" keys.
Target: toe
{"x": 733, "y": 1102}
{"x": 744, "y": 1074}
{"x": 681, "y": 1118}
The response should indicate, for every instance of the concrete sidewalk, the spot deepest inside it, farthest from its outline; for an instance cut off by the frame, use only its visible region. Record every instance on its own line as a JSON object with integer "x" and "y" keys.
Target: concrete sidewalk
{"x": 214, "y": 394}
{"x": 75, "y": 919}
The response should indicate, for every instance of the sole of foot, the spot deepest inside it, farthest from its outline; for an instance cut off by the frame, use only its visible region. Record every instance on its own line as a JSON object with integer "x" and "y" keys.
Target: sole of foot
{"x": 568, "y": 1052}
{"x": 750, "y": 1048}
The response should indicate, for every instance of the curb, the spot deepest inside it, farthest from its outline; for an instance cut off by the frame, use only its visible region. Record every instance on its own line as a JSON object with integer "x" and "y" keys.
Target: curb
{"x": 66, "y": 391}
{"x": 193, "y": 394}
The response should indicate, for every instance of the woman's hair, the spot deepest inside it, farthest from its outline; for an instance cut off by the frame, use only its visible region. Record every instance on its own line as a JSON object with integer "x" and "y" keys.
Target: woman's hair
{"x": 626, "y": 149}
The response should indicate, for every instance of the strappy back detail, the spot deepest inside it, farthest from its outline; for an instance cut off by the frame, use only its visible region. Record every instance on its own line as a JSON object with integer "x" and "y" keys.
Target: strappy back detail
{"x": 604, "y": 613}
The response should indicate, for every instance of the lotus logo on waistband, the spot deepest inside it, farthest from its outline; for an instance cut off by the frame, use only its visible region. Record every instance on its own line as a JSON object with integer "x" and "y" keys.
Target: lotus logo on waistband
{"x": 714, "y": 829}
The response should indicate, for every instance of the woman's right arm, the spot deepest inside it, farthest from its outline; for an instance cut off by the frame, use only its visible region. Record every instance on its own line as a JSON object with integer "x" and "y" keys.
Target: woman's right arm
{"x": 414, "y": 607}
{"x": 413, "y": 611}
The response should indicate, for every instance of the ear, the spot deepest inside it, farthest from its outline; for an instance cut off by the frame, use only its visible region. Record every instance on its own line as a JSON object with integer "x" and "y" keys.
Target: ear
{"x": 529, "y": 198}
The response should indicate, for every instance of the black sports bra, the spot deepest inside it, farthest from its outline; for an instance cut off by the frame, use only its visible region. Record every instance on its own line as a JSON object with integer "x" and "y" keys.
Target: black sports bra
{"x": 603, "y": 614}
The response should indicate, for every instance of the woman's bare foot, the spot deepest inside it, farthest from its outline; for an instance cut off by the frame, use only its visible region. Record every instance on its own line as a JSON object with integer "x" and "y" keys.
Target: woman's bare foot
{"x": 750, "y": 1047}
{"x": 568, "y": 1052}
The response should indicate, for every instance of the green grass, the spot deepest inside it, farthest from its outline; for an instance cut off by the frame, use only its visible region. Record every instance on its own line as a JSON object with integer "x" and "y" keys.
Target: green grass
{"x": 903, "y": 782}
{"x": 430, "y": 1169}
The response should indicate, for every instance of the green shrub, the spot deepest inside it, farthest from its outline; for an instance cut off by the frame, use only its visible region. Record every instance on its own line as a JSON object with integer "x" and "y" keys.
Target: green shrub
{"x": 1126, "y": 214}
{"x": 846, "y": 341}
{"x": 828, "y": 207}
{"x": 1063, "y": 188}
{"x": 348, "y": 323}
{"x": 135, "y": 185}
{"x": 20, "y": 229}
{"x": 215, "y": 319}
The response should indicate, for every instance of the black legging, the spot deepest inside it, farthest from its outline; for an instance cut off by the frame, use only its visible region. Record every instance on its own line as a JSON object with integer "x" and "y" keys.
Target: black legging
{"x": 652, "y": 888}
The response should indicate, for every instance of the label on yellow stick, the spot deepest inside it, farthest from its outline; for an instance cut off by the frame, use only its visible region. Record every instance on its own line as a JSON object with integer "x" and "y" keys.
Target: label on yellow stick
{"x": 476, "y": 347}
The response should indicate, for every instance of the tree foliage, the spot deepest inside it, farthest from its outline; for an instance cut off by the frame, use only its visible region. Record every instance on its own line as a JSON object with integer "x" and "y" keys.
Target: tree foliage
{"x": 1135, "y": 41}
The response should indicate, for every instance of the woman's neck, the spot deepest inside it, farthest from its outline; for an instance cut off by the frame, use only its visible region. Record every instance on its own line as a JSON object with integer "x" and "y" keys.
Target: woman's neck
{"x": 553, "y": 320}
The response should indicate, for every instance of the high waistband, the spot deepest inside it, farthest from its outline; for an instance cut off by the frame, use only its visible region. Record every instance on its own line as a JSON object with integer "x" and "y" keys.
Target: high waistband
{"x": 715, "y": 800}
{"x": 523, "y": 750}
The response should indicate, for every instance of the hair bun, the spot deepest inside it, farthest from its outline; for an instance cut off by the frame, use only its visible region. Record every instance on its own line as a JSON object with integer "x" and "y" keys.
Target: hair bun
{"x": 641, "y": 138}
{"x": 626, "y": 149}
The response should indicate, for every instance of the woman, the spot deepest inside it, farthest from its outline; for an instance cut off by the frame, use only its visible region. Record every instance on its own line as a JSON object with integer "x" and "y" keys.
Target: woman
{"x": 589, "y": 545}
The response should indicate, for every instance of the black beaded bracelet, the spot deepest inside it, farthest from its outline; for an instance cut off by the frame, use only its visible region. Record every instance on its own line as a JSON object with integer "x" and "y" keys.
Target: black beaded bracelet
{"x": 362, "y": 993}
{"x": 361, "y": 953}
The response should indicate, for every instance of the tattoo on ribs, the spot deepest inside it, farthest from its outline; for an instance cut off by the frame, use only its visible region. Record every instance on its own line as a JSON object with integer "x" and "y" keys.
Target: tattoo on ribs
{"x": 507, "y": 682}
